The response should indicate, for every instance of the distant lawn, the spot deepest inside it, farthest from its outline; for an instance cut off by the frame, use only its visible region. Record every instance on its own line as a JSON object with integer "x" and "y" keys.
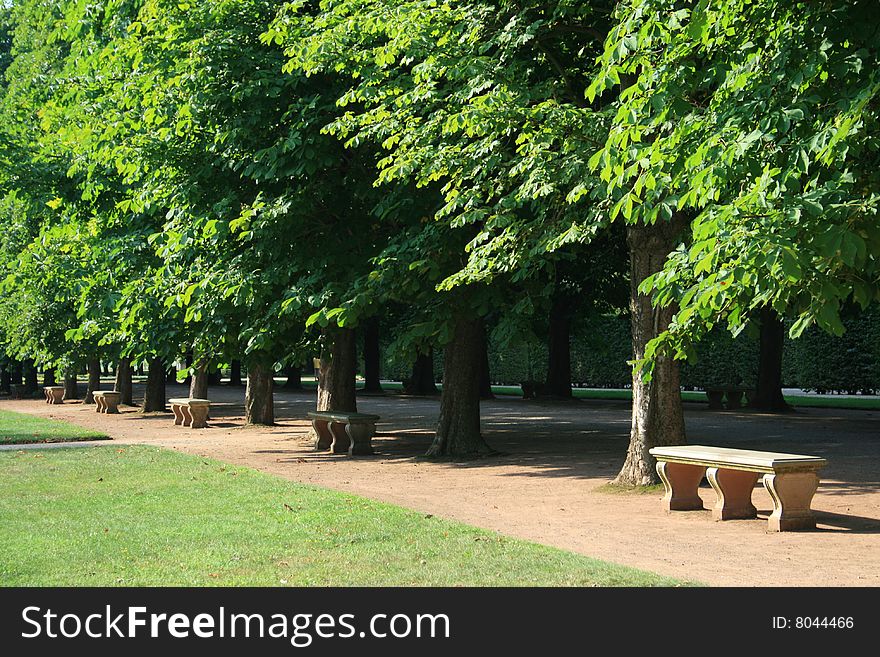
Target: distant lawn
{"x": 138, "y": 516}
{"x": 20, "y": 428}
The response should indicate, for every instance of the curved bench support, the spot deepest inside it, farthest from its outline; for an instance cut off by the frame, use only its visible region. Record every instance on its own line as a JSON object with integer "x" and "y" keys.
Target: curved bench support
{"x": 734, "y": 491}
{"x": 792, "y": 495}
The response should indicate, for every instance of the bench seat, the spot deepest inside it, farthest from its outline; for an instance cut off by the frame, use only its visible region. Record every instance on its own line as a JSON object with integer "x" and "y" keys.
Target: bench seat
{"x": 791, "y": 480}
{"x": 344, "y": 433}
{"x": 190, "y": 411}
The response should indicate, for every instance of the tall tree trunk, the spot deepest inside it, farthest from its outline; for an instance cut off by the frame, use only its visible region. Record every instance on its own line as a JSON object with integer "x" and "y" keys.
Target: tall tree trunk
{"x": 188, "y": 359}
{"x": 259, "y": 404}
{"x": 372, "y": 356}
{"x": 49, "y": 377}
{"x": 485, "y": 375}
{"x": 94, "y": 382}
{"x": 336, "y": 376}
{"x": 657, "y": 415}
{"x": 171, "y": 374}
{"x": 106, "y": 369}
{"x": 17, "y": 373}
{"x": 215, "y": 377}
{"x": 71, "y": 386}
{"x": 422, "y": 380}
{"x": 559, "y": 348}
{"x": 154, "y": 394}
{"x": 458, "y": 430}
{"x": 123, "y": 381}
{"x": 198, "y": 380}
{"x": 31, "y": 382}
{"x": 235, "y": 373}
{"x": 768, "y": 396}
{"x": 5, "y": 379}
{"x": 294, "y": 378}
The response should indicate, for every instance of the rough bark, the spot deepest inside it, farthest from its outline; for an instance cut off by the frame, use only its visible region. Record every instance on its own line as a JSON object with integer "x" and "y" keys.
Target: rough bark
{"x": 71, "y": 386}
{"x": 657, "y": 415}
{"x": 235, "y": 373}
{"x": 122, "y": 384}
{"x": 31, "y": 382}
{"x": 422, "y": 380}
{"x": 259, "y": 404}
{"x": 336, "y": 376}
{"x": 49, "y": 377}
{"x": 559, "y": 347}
{"x": 154, "y": 394}
{"x": 94, "y": 382}
{"x": 458, "y": 430}
{"x": 294, "y": 378}
{"x": 485, "y": 375}
{"x": 198, "y": 380}
{"x": 372, "y": 356}
{"x": 768, "y": 396}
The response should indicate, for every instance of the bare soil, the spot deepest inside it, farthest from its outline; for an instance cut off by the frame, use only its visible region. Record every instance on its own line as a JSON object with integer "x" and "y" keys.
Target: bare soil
{"x": 543, "y": 487}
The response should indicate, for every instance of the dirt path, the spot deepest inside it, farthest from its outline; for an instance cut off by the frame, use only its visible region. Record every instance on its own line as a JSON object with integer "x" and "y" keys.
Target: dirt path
{"x": 544, "y": 488}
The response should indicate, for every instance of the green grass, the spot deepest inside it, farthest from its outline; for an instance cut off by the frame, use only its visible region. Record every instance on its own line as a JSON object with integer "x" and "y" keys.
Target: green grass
{"x": 146, "y": 516}
{"x": 623, "y": 489}
{"x": 20, "y": 428}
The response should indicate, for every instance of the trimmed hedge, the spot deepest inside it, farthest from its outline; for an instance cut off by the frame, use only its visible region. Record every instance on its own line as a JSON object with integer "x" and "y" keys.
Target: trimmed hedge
{"x": 601, "y": 347}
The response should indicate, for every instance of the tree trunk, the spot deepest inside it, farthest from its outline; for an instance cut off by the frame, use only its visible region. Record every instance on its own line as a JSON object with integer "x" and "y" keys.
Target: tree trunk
{"x": 31, "y": 382}
{"x": 214, "y": 378}
{"x": 559, "y": 347}
{"x": 294, "y": 378}
{"x": 235, "y": 373}
{"x": 458, "y": 431}
{"x": 188, "y": 360}
{"x": 422, "y": 380}
{"x": 94, "y": 382}
{"x": 5, "y": 379}
{"x": 17, "y": 373}
{"x": 372, "y": 356}
{"x": 657, "y": 414}
{"x": 49, "y": 377}
{"x": 71, "y": 386}
{"x": 123, "y": 381}
{"x": 198, "y": 380}
{"x": 154, "y": 395}
{"x": 259, "y": 405}
{"x": 336, "y": 376}
{"x": 485, "y": 375}
{"x": 106, "y": 369}
{"x": 768, "y": 396}
{"x": 171, "y": 374}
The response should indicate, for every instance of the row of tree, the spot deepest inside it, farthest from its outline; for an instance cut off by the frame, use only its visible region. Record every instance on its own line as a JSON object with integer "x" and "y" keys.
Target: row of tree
{"x": 255, "y": 179}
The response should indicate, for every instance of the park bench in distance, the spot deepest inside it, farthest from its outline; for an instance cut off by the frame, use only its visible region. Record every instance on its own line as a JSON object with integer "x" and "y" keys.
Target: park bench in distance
{"x": 54, "y": 394}
{"x": 190, "y": 412}
{"x": 106, "y": 401}
{"x": 791, "y": 480}
{"x": 344, "y": 433}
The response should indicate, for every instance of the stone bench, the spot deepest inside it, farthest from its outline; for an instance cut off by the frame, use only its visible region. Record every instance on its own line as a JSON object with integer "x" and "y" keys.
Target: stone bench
{"x": 106, "y": 401}
{"x": 189, "y": 412}
{"x": 344, "y": 433}
{"x": 791, "y": 480}
{"x": 54, "y": 394}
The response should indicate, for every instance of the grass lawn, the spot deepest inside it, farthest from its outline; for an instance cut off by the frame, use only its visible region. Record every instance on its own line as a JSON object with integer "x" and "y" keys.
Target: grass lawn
{"x": 19, "y": 428}
{"x": 146, "y": 516}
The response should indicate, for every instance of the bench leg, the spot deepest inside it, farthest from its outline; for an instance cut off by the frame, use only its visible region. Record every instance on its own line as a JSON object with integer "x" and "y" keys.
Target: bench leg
{"x": 341, "y": 441}
{"x": 99, "y": 404}
{"x": 681, "y": 482}
{"x": 360, "y": 435}
{"x": 734, "y": 491}
{"x": 323, "y": 437}
{"x": 792, "y": 495}
{"x": 56, "y": 397}
{"x": 111, "y": 407}
{"x": 199, "y": 416}
{"x": 187, "y": 415}
{"x": 178, "y": 414}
